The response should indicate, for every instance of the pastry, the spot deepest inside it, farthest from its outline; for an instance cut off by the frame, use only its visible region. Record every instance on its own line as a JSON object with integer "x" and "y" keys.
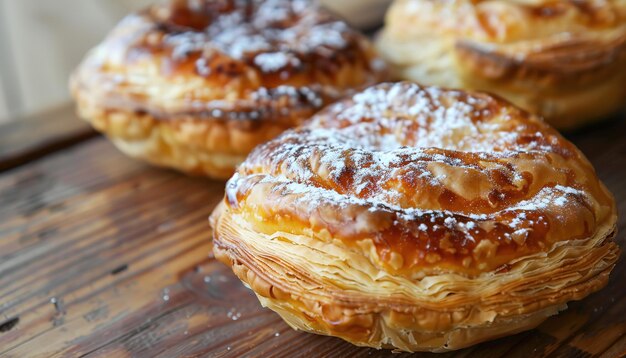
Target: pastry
{"x": 564, "y": 60}
{"x": 419, "y": 219}
{"x": 195, "y": 85}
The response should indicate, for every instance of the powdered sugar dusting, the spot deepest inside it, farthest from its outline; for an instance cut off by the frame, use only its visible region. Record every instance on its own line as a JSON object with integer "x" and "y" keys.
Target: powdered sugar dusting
{"x": 272, "y": 62}
{"x": 258, "y": 33}
{"x": 263, "y": 60}
{"x": 398, "y": 149}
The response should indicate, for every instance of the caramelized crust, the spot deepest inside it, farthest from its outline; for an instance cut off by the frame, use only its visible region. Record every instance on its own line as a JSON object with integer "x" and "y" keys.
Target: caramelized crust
{"x": 196, "y": 85}
{"x": 419, "y": 219}
{"x": 565, "y": 60}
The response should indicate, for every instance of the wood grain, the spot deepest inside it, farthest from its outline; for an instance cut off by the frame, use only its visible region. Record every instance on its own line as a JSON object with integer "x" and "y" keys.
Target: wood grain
{"x": 104, "y": 256}
{"x": 26, "y": 139}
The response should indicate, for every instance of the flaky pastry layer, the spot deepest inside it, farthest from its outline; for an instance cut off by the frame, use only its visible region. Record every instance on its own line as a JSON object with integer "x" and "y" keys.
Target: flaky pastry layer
{"x": 561, "y": 59}
{"x": 207, "y": 81}
{"x": 418, "y": 219}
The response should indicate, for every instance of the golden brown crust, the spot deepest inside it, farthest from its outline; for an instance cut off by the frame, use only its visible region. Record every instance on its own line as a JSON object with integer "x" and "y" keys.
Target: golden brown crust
{"x": 247, "y": 70}
{"x": 562, "y": 59}
{"x": 418, "y": 219}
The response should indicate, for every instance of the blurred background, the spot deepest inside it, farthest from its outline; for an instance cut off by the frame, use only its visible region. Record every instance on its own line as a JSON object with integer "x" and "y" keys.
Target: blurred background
{"x": 41, "y": 41}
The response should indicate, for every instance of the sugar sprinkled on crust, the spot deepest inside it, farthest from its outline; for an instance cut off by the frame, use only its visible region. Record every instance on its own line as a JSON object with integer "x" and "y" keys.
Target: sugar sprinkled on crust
{"x": 397, "y": 149}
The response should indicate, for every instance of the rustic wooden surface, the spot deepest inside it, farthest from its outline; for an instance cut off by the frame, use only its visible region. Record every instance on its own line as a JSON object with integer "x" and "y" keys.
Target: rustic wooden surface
{"x": 27, "y": 139}
{"x": 101, "y": 255}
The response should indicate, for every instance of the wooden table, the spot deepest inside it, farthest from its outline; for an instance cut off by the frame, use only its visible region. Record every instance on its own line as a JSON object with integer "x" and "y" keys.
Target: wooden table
{"x": 101, "y": 255}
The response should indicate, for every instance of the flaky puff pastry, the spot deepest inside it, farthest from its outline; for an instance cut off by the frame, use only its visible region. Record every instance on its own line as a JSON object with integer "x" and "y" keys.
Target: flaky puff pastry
{"x": 564, "y": 60}
{"x": 419, "y": 219}
{"x": 196, "y": 84}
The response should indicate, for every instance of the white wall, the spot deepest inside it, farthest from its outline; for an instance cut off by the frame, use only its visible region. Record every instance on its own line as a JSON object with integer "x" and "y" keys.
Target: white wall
{"x": 41, "y": 41}
{"x": 4, "y": 111}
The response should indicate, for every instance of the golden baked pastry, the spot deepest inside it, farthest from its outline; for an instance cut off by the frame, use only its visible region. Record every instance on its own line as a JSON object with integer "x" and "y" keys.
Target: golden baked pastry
{"x": 419, "y": 219}
{"x": 195, "y": 85}
{"x": 564, "y": 60}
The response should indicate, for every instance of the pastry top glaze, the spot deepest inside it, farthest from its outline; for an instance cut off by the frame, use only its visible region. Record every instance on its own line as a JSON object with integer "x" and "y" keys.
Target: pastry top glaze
{"x": 434, "y": 180}
{"x": 555, "y": 41}
{"x": 243, "y": 60}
